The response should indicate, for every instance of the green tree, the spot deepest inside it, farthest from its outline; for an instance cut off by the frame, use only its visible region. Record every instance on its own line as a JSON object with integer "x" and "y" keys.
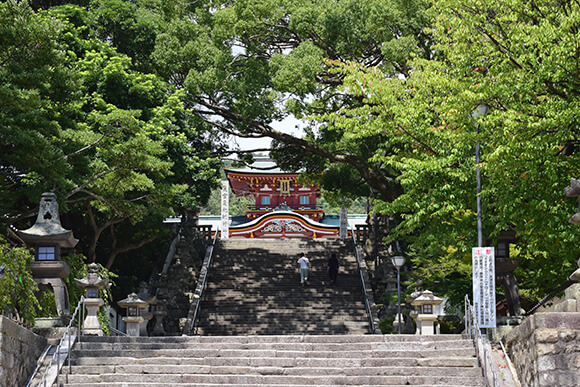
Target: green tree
{"x": 244, "y": 64}
{"x": 35, "y": 84}
{"x": 118, "y": 145}
{"x": 16, "y": 284}
{"x": 518, "y": 59}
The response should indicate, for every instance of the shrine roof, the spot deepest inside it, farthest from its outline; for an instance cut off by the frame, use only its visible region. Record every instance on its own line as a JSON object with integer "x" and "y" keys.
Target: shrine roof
{"x": 261, "y": 166}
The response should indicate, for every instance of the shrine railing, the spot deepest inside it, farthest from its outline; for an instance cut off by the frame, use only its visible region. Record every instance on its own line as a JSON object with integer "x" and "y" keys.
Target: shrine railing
{"x": 191, "y": 323}
{"x": 369, "y": 299}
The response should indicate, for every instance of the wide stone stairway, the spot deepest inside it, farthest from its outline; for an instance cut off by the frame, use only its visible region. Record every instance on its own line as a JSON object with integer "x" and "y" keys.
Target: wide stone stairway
{"x": 254, "y": 289}
{"x": 259, "y": 327}
{"x": 297, "y": 360}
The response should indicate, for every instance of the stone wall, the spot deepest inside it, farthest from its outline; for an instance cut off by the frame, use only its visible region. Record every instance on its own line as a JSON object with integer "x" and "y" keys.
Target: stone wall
{"x": 19, "y": 351}
{"x": 545, "y": 349}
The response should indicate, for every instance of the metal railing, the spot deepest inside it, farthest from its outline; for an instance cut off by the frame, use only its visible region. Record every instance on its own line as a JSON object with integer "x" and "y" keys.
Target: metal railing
{"x": 369, "y": 300}
{"x": 549, "y": 297}
{"x": 117, "y": 332}
{"x": 191, "y": 324}
{"x": 67, "y": 342}
{"x": 482, "y": 346}
{"x": 39, "y": 365}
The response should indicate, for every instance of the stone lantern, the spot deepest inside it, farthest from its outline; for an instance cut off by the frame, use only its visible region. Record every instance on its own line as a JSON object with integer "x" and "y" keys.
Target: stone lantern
{"x": 48, "y": 237}
{"x": 147, "y": 313}
{"x": 424, "y": 315}
{"x": 159, "y": 312}
{"x": 134, "y": 306}
{"x": 92, "y": 284}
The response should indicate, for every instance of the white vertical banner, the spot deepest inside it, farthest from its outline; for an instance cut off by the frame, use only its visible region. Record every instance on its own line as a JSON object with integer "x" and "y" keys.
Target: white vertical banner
{"x": 483, "y": 259}
{"x": 225, "y": 214}
{"x": 343, "y": 223}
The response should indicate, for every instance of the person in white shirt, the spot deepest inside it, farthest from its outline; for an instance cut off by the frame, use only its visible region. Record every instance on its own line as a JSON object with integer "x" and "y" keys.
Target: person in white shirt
{"x": 304, "y": 266}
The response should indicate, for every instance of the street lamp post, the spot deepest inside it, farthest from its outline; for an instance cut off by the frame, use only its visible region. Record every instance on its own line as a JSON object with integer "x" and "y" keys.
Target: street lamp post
{"x": 479, "y": 111}
{"x": 398, "y": 261}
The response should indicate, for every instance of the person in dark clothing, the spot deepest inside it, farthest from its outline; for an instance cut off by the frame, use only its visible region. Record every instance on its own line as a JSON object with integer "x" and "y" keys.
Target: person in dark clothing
{"x": 333, "y": 268}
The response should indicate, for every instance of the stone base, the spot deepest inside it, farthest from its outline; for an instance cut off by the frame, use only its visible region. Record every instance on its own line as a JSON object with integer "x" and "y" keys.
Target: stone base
{"x": 51, "y": 322}
{"x": 505, "y": 325}
{"x": 545, "y": 350}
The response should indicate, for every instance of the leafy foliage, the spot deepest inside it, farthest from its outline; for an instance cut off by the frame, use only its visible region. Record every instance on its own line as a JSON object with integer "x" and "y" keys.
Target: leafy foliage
{"x": 118, "y": 144}
{"x": 130, "y": 103}
{"x": 16, "y": 284}
{"x": 497, "y": 57}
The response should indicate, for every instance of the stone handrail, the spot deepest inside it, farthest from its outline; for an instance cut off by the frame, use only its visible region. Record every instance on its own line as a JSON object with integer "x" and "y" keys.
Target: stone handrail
{"x": 369, "y": 299}
{"x": 482, "y": 347}
{"x": 191, "y": 323}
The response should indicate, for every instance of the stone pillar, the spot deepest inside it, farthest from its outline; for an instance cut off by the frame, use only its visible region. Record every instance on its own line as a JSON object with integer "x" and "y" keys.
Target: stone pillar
{"x": 160, "y": 312}
{"x": 343, "y": 223}
{"x": 92, "y": 284}
{"x": 146, "y": 313}
{"x": 92, "y": 326}
{"x": 225, "y": 213}
{"x": 425, "y": 323}
{"x": 58, "y": 286}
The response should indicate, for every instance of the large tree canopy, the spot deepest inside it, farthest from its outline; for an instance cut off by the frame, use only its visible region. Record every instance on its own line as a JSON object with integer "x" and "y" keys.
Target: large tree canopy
{"x": 519, "y": 59}
{"x": 126, "y": 99}
{"x": 77, "y": 118}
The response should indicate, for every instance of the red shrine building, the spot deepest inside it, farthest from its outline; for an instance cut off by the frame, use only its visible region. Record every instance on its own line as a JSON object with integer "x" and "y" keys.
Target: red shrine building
{"x": 283, "y": 206}
{"x": 274, "y": 189}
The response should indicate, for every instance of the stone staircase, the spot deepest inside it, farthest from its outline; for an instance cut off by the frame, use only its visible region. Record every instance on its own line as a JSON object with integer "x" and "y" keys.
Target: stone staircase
{"x": 300, "y": 360}
{"x": 254, "y": 289}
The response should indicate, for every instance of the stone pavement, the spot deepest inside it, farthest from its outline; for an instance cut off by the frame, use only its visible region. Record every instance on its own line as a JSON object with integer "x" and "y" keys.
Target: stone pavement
{"x": 299, "y": 360}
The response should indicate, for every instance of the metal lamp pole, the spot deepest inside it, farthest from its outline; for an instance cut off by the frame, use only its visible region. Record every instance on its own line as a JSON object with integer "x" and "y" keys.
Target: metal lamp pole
{"x": 398, "y": 261}
{"x": 479, "y": 111}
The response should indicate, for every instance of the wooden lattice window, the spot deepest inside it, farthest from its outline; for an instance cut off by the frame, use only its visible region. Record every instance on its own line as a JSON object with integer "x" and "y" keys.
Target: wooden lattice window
{"x": 285, "y": 187}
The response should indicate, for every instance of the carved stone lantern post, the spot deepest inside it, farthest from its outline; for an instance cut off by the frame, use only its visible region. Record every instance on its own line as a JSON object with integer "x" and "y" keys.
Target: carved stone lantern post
{"x": 146, "y": 313}
{"x": 424, "y": 316}
{"x": 159, "y": 312}
{"x": 134, "y": 306}
{"x": 92, "y": 284}
{"x": 48, "y": 237}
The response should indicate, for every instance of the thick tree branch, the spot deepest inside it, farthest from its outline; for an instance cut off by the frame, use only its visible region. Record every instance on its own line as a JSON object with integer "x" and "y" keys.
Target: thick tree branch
{"x": 374, "y": 180}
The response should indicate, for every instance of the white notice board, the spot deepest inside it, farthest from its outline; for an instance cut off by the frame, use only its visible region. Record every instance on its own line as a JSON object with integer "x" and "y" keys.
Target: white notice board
{"x": 483, "y": 259}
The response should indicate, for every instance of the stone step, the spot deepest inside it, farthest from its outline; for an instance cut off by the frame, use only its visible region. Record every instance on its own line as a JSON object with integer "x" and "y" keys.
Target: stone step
{"x": 193, "y": 340}
{"x": 302, "y": 360}
{"x": 371, "y": 346}
{"x": 168, "y": 369}
{"x": 312, "y": 380}
{"x": 267, "y": 329}
{"x": 212, "y": 352}
{"x": 310, "y": 290}
{"x": 254, "y": 288}
{"x": 299, "y": 306}
{"x": 145, "y": 384}
{"x": 253, "y": 315}
{"x": 437, "y": 362}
